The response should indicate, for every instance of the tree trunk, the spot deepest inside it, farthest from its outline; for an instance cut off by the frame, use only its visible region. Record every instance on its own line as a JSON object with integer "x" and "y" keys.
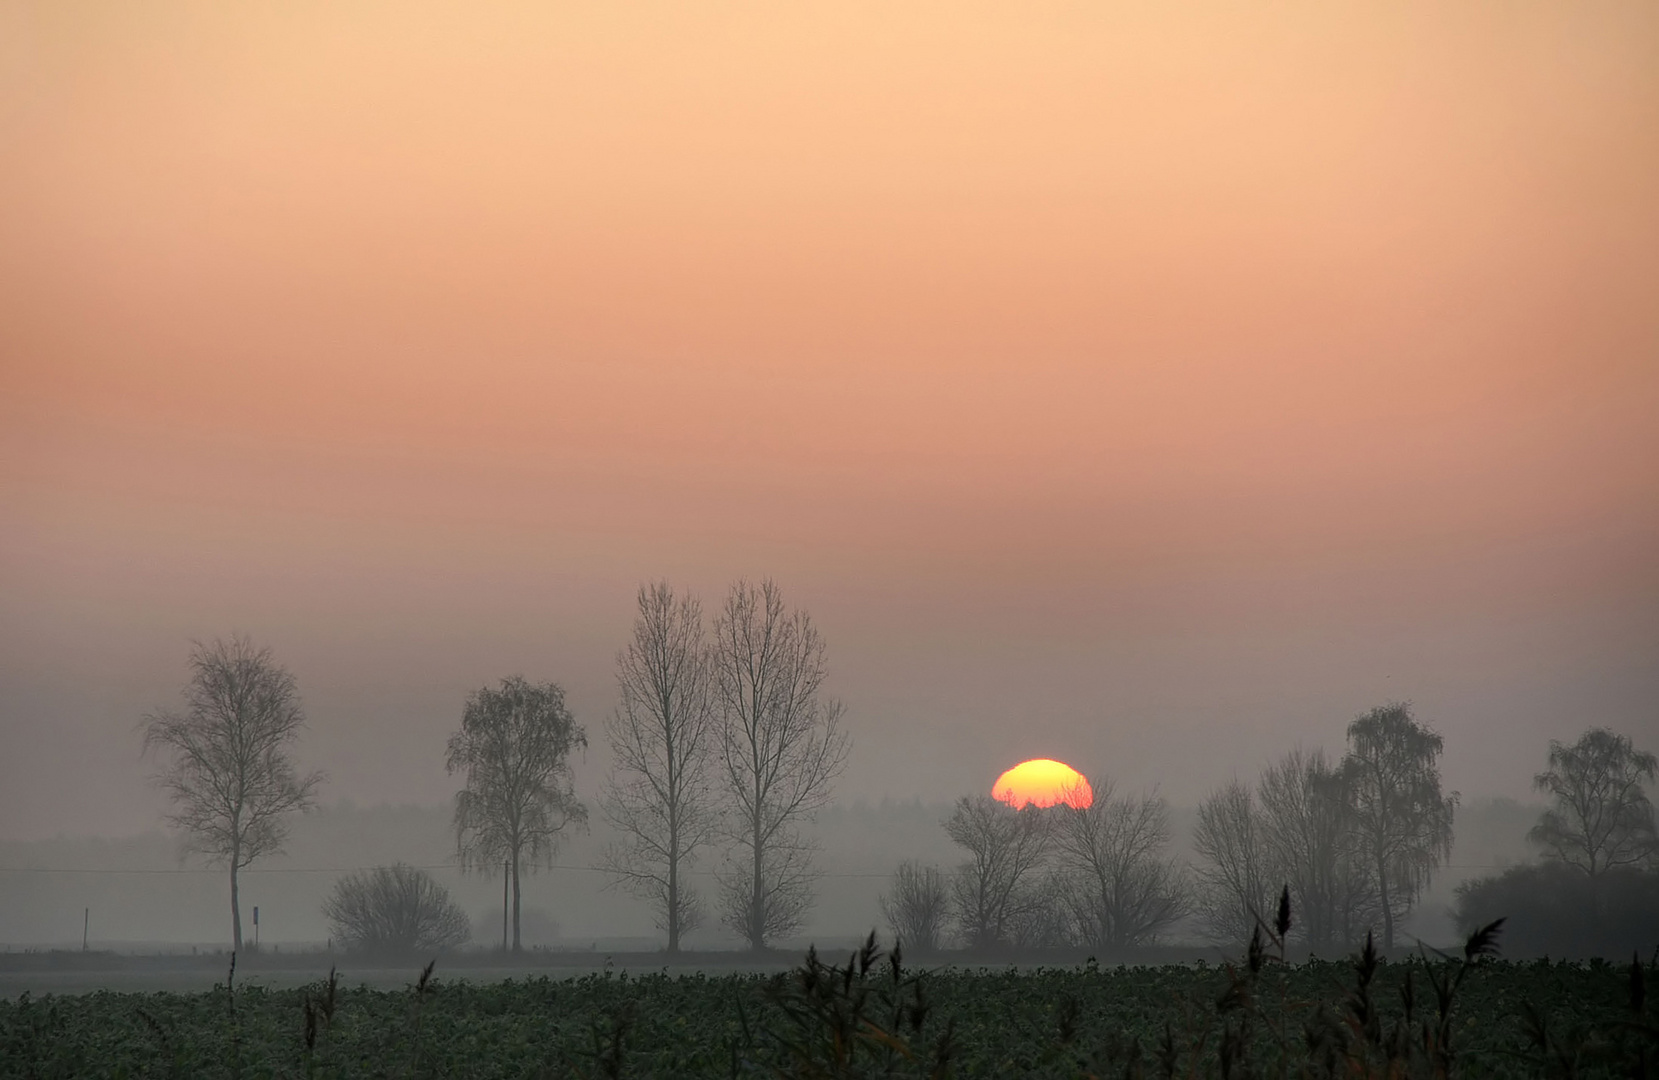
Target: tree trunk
{"x": 757, "y": 921}
{"x": 235, "y": 905}
{"x": 673, "y": 835}
{"x": 673, "y": 898}
{"x": 516, "y": 946}
{"x": 1387, "y": 908}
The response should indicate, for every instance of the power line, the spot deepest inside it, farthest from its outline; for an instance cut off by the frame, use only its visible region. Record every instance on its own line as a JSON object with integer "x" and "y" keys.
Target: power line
{"x": 347, "y": 870}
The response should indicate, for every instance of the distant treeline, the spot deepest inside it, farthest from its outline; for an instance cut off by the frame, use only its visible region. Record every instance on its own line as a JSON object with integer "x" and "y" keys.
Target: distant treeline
{"x": 1352, "y": 844}
{"x": 725, "y": 746}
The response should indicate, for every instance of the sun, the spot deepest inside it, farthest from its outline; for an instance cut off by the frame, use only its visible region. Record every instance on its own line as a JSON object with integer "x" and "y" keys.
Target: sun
{"x": 1043, "y": 782}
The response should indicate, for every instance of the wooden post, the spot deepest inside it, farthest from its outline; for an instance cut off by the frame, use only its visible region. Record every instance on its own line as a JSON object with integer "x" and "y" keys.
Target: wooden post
{"x": 86, "y": 926}
{"x": 505, "y": 873}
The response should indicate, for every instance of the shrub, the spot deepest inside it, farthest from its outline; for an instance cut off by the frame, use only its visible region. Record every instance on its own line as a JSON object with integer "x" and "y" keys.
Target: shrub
{"x": 394, "y": 909}
{"x": 916, "y": 906}
{"x": 1557, "y": 910}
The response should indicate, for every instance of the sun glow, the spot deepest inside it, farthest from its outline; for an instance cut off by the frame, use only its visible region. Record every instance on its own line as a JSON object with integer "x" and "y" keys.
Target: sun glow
{"x": 1043, "y": 782}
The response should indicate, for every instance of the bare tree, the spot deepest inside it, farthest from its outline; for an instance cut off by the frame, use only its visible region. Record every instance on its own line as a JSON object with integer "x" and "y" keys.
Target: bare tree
{"x": 780, "y": 747}
{"x": 1238, "y": 879}
{"x": 394, "y": 909}
{"x": 1047, "y": 917}
{"x": 1602, "y": 817}
{"x": 663, "y": 738}
{"x": 227, "y": 766}
{"x": 916, "y": 906}
{"x": 1122, "y": 889}
{"x": 1311, "y": 833}
{"x": 993, "y": 890}
{"x": 514, "y": 747}
{"x": 1403, "y": 821}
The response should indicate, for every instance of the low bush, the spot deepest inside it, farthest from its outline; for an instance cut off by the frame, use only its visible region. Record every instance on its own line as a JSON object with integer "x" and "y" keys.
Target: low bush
{"x": 394, "y": 910}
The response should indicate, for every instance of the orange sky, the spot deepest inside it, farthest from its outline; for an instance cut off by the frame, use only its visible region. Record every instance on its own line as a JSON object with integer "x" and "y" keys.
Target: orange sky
{"x": 1200, "y": 376}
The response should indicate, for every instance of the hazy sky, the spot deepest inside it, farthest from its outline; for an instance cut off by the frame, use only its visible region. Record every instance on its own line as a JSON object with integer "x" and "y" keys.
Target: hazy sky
{"x": 1151, "y": 390}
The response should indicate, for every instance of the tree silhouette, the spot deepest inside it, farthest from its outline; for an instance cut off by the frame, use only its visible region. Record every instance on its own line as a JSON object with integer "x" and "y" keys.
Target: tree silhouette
{"x": 1403, "y": 821}
{"x": 1602, "y": 817}
{"x": 997, "y": 886}
{"x": 780, "y": 747}
{"x": 228, "y": 771}
{"x": 514, "y": 747}
{"x": 1120, "y": 885}
{"x": 663, "y": 736}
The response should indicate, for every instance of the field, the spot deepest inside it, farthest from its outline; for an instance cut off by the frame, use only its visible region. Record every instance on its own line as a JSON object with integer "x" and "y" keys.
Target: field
{"x": 868, "y": 1016}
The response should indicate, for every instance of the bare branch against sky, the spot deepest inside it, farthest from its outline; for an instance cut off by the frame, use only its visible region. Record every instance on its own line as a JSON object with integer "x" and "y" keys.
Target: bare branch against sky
{"x": 781, "y": 746}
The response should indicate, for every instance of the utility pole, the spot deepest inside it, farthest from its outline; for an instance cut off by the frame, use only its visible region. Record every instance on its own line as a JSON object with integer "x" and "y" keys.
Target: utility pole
{"x": 506, "y": 868}
{"x": 86, "y": 925}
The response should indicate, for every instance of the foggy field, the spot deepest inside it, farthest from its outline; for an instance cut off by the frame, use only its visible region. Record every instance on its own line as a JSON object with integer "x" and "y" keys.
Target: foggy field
{"x": 40, "y": 973}
{"x": 866, "y": 1017}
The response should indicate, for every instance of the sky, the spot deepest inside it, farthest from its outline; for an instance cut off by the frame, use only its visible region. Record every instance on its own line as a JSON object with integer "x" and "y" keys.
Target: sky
{"x": 1151, "y": 387}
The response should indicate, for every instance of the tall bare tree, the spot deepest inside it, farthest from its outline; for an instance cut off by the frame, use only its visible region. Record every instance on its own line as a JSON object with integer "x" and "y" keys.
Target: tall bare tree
{"x": 227, "y": 767}
{"x": 1403, "y": 820}
{"x": 916, "y": 906}
{"x": 1237, "y": 876}
{"x": 781, "y": 745}
{"x": 1311, "y": 832}
{"x": 514, "y": 746}
{"x": 1602, "y": 817}
{"x": 663, "y": 737}
{"x": 1122, "y": 887}
{"x": 999, "y": 884}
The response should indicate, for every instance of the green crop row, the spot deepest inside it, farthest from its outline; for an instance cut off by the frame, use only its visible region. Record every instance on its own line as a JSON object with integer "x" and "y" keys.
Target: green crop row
{"x": 871, "y": 1016}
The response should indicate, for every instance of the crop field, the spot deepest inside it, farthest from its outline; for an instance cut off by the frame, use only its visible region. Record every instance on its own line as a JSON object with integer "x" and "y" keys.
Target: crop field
{"x": 868, "y": 1015}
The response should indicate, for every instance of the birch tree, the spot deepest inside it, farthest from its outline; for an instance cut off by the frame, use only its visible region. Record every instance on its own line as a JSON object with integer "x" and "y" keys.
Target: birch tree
{"x": 227, "y": 766}
{"x": 514, "y": 748}
{"x": 1403, "y": 821}
{"x": 1601, "y": 817}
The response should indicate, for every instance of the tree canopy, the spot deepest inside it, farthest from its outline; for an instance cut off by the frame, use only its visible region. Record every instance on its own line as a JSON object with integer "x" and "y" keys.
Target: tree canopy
{"x": 514, "y": 749}
{"x": 1602, "y": 817}
{"x": 1402, "y": 819}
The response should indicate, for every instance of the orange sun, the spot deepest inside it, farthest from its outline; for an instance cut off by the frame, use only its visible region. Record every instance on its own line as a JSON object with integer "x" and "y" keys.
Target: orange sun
{"x": 1043, "y": 782}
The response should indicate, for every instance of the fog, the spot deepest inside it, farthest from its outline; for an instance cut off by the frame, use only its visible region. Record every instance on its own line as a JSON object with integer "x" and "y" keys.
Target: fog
{"x": 136, "y": 894}
{"x": 1155, "y": 392}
